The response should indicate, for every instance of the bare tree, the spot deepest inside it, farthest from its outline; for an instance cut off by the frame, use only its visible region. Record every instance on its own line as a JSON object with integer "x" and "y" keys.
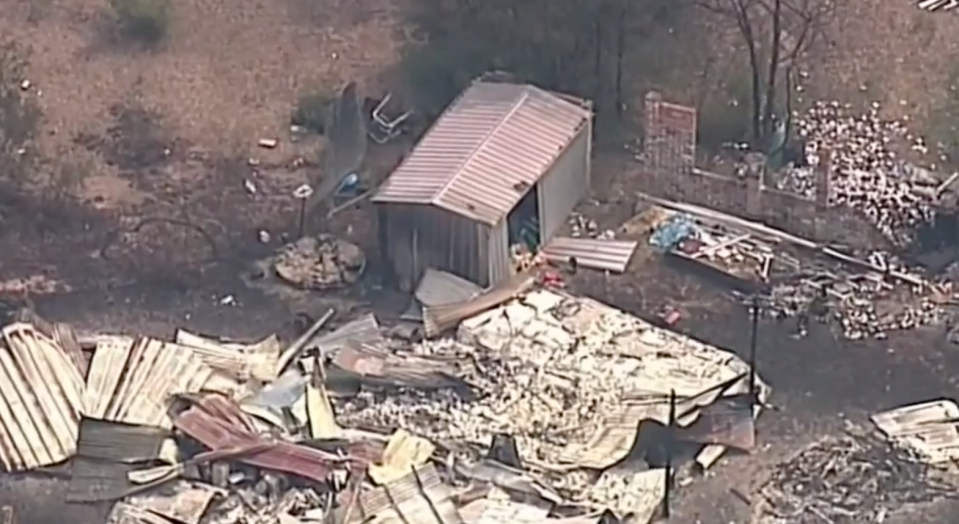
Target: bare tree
{"x": 775, "y": 33}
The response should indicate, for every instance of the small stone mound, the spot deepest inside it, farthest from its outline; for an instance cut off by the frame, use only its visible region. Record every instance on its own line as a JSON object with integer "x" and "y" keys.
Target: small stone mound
{"x": 319, "y": 263}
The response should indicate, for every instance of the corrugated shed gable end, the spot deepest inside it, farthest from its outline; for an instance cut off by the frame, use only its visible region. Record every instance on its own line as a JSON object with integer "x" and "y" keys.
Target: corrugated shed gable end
{"x": 486, "y": 150}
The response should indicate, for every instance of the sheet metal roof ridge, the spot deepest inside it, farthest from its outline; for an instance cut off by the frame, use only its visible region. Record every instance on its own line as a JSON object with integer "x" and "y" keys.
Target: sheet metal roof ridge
{"x": 258, "y": 360}
{"x": 602, "y": 254}
{"x": 40, "y": 400}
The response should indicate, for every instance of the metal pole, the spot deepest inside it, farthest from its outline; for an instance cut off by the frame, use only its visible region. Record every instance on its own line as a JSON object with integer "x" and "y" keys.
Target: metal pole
{"x": 670, "y": 439}
{"x": 301, "y": 223}
{"x": 752, "y": 350}
{"x": 303, "y": 194}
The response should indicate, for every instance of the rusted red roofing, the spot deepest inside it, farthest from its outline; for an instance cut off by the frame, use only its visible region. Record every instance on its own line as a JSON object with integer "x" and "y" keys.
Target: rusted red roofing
{"x": 219, "y": 424}
{"x": 486, "y": 150}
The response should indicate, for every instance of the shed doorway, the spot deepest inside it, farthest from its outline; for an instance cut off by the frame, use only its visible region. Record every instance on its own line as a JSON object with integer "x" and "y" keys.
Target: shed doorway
{"x": 523, "y": 223}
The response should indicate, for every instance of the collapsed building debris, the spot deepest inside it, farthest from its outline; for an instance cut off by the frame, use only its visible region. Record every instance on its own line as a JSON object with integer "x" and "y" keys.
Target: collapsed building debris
{"x": 541, "y": 396}
{"x": 930, "y": 430}
{"x": 868, "y": 170}
{"x": 865, "y": 298}
{"x": 846, "y": 480}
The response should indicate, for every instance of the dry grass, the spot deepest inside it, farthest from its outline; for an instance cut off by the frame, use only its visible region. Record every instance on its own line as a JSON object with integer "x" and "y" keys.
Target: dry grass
{"x": 228, "y": 73}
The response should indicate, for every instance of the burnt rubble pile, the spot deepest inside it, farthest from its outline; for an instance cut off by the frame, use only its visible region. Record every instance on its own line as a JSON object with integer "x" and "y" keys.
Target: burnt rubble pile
{"x": 869, "y": 169}
{"x": 849, "y": 479}
{"x": 525, "y": 415}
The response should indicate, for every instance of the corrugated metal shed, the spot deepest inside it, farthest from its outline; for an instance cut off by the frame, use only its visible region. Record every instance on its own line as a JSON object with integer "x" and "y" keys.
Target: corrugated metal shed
{"x": 41, "y": 398}
{"x": 931, "y": 429}
{"x": 594, "y": 253}
{"x": 134, "y": 384}
{"x": 486, "y": 151}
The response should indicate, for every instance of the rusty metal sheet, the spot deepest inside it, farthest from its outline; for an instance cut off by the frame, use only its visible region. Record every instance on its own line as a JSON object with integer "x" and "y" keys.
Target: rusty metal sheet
{"x": 365, "y": 329}
{"x": 602, "y": 254}
{"x": 135, "y": 384}
{"x": 438, "y": 319}
{"x": 119, "y": 442}
{"x": 219, "y": 424}
{"x": 929, "y": 428}
{"x": 258, "y": 360}
{"x": 487, "y": 149}
{"x": 420, "y": 497}
{"x": 41, "y": 398}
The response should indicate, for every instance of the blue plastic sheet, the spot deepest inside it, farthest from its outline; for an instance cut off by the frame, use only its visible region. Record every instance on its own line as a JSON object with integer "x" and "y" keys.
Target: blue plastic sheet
{"x": 672, "y": 231}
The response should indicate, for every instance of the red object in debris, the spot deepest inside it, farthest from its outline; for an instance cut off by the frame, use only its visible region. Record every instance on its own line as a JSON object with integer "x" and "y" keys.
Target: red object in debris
{"x": 671, "y": 317}
{"x": 553, "y": 279}
{"x": 219, "y": 424}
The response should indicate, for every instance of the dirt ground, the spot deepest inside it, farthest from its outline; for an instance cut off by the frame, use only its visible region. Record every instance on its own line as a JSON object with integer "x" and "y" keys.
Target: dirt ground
{"x": 169, "y": 134}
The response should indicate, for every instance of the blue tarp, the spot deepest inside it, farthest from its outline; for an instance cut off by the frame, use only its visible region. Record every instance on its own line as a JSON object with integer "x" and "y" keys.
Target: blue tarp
{"x": 672, "y": 231}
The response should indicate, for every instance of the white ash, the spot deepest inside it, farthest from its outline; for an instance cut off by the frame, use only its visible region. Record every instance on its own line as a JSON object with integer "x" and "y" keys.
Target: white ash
{"x": 867, "y": 173}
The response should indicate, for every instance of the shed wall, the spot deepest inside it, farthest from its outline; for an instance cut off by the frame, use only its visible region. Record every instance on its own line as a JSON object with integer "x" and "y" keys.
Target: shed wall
{"x": 564, "y": 184}
{"x": 497, "y": 254}
{"x": 415, "y": 237}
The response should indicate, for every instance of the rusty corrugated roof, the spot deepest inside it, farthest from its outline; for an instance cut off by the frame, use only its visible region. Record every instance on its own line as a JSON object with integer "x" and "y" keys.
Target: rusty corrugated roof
{"x": 41, "y": 398}
{"x": 486, "y": 150}
{"x": 133, "y": 383}
{"x": 219, "y": 424}
{"x": 594, "y": 253}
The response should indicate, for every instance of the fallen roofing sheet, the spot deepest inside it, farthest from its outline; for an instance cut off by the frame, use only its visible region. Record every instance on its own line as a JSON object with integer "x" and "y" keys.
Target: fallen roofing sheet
{"x": 378, "y": 367}
{"x": 245, "y": 361}
{"x": 439, "y": 288}
{"x": 119, "y": 442}
{"x": 931, "y": 429}
{"x": 365, "y": 329}
{"x": 437, "y": 319}
{"x": 594, "y": 253}
{"x": 133, "y": 382}
{"x": 219, "y": 424}
{"x": 41, "y": 398}
{"x": 420, "y": 497}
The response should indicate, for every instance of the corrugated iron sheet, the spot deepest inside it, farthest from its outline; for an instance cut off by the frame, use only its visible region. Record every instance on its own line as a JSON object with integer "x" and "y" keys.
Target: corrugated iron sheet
{"x": 41, "y": 398}
{"x": 135, "y": 384}
{"x": 604, "y": 255}
{"x": 418, "y": 498}
{"x": 438, "y": 288}
{"x": 486, "y": 150}
{"x": 180, "y": 502}
{"x": 364, "y": 330}
{"x": 930, "y": 428}
{"x": 126, "y": 513}
{"x": 258, "y": 361}
{"x": 438, "y": 319}
{"x": 219, "y": 424}
{"x": 119, "y": 442}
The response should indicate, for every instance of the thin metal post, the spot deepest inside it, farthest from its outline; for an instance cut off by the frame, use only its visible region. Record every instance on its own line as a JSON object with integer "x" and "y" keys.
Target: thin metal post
{"x": 670, "y": 439}
{"x": 303, "y": 194}
{"x": 752, "y": 349}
